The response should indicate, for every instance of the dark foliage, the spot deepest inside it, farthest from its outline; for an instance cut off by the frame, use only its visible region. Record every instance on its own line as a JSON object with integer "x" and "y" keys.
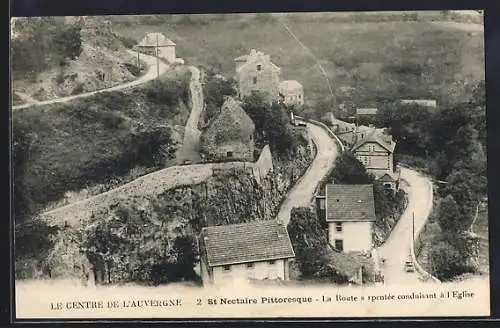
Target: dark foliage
{"x": 272, "y": 125}
{"x": 349, "y": 170}
{"x": 214, "y": 91}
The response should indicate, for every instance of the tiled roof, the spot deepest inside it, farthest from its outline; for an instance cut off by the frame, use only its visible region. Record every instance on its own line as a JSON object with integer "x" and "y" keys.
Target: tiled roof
{"x": 350, "y": 202}
{"x": 246, "y": 242}
{"x": 376, "y": 136}
{"x": 150, "y": 40}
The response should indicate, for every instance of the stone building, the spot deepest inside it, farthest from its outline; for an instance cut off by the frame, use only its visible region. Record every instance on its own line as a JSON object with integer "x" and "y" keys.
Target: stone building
{"x": 256, "y": 250}
{"x": 230, "y": 136}
{"x": 291, "y": 92}
{"x": 256, "y": 73}
{"x": 156, "y": 44}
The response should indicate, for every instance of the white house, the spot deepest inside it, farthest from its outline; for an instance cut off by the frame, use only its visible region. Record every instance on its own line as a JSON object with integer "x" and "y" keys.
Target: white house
{"x": 291, "y": 92}
{"x": 350, "y": 213}
{"x": 256, "y": 250}
{"x": 156, "y": 44}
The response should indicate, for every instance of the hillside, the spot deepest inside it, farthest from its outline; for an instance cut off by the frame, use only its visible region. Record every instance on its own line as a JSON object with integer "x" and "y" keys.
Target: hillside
{"x": 94, "y": 143}
{"x": 373, "y": 59}
{"x": 54, "y": 57}
{"x": 168, "y": 222}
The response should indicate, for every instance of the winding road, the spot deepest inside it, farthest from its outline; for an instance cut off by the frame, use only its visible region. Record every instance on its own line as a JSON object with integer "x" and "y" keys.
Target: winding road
{"x": 151, "y": 74}
{"x": 396, "y": 249}
{"x": 303, "y": 191}
{"x": 191, "y": 143}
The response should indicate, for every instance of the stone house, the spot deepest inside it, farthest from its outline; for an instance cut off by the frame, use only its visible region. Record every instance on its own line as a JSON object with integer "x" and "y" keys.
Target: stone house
{"x": 156, "y": 44}
{"x": 256, "y": 73}
{"x": 257, "y": 250}
{"x": 375, "y": 150}
{"x": 230, "y": 136}
{"x": 349, "y": 214}
{"x": 291, "y": 93}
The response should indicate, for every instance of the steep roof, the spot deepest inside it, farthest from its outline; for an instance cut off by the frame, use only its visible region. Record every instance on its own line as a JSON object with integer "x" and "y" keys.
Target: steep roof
{"x": 366, "y": 111}
{"x": 375, "y": 135}
{"x": 150, "y": 40}
{"x": 350, "y": 202}
{"x": 231, "y": 120}
{"x": 389, "y": 177}
{"x": 246, "y": 242}
{"x": 290, "y": 85}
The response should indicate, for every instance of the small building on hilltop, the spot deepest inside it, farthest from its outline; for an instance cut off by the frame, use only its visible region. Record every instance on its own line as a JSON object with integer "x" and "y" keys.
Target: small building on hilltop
{"x": 350, "y": 213}
{"x": 156, "y": 44}
{"x": 256, "y": 250}
{"x": 430, "y": 103}
{"x": 291, "y": 93}
{"x": 375, "y": 150}
{"x": 256, "y": 73}
{"x": 362, "y": 112}
{"x": 230, "y": 136}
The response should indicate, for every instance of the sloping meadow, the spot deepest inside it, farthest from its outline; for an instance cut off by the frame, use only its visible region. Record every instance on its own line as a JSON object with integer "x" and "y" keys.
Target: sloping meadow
{"x": 69, "y": 146}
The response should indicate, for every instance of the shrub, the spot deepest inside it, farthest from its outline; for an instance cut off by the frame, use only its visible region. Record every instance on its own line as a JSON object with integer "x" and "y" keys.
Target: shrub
{"x": 68, "y": 42}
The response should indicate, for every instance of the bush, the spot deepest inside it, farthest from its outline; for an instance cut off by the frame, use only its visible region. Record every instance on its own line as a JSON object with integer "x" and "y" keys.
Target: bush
{"x": 68, "y": 42}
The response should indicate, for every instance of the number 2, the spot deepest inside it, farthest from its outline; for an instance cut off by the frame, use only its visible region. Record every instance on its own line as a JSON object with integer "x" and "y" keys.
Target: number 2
{"x": 198, "y": 301}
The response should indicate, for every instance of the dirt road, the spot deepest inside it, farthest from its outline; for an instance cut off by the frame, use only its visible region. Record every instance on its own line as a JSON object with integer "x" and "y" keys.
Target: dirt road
{"x": 397, "y": 247}
{"x": 150, "y": 75}
{"x": 191, "y": 144}
{"x": 303, "y": 191}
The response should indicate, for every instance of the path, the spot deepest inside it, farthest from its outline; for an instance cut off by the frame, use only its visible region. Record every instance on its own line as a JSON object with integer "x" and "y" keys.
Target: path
{"x": 26, "y": 98}
{"x": 150, "y": 75}
{"x": 191, "y": 144}
{"x": 396, "y": 249}
{"x": 303, "y": 191}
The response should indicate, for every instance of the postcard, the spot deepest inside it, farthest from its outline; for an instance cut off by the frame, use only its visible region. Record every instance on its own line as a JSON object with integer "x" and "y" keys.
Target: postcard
{"x": 267, "y": 165}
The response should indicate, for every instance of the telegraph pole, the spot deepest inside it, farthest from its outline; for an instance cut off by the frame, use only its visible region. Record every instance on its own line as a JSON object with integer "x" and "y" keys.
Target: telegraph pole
{"x": 413, "y": 229}
{"x": 157, "y": 59}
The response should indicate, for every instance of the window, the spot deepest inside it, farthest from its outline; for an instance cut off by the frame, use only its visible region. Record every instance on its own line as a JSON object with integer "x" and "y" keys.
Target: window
{"x": 271, "y": 262}
{"x": 338, "y": 226}
{"x": 249, "y": 265}
{"x": 339, "y": 244}
{"x": 321, "y": 204}
{"x": 254, "y": 80}
{"x": 229, "y": 154}
{"x": 226, "y": 267}
{"x": 259, "y": 67}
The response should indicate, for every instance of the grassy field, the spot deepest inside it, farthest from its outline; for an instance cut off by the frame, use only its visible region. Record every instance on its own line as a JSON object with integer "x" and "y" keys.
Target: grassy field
{"x": 378, "y": 59}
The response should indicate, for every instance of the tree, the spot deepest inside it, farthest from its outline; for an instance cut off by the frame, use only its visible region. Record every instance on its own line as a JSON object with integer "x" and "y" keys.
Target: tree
{"x": 349, "y": 170}
{"x": 308, "y": 240}
{"x": 449, "y": 216}
{"x": 447, "y": 261}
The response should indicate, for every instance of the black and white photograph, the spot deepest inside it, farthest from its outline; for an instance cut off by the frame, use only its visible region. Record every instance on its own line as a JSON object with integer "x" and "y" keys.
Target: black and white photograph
{"x": 321, "y": 164}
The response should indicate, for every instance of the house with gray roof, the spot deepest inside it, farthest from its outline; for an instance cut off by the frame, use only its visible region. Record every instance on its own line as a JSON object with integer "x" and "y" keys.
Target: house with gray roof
{"x": 375, "y": 150}
{"x": 255, "y": 250}
{"x": 350, "y": 213}
{"x": 156, "y": 44}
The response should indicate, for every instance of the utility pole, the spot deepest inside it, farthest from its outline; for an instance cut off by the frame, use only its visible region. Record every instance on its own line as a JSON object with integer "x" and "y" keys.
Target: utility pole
{"x": 157, "y": 59}
{"x": 138, "y": 61}
{"x": 413, "y": 229}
